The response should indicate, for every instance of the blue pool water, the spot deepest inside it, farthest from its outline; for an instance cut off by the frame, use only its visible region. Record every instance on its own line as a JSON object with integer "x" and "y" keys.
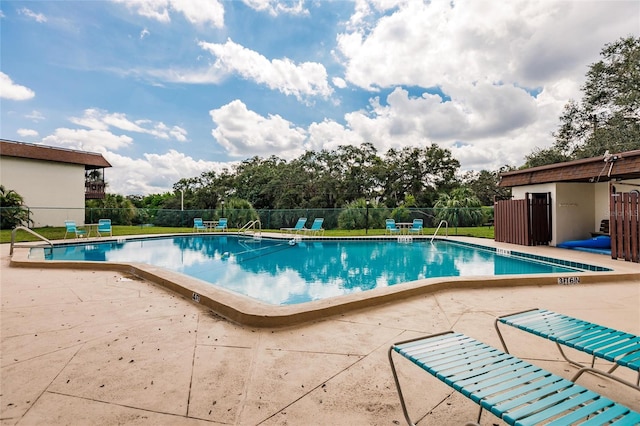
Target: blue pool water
{"x": 276, "y": 272}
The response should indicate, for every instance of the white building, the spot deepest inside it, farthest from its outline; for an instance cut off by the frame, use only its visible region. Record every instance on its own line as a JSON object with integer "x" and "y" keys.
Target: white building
{"x": 53, "y": 182}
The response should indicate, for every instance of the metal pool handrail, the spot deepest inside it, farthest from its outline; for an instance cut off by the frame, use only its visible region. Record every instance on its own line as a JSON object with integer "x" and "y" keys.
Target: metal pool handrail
{"x": 251, "y": 225}
{"x": 13, "y": 238}
{"x": 438, "y": 228}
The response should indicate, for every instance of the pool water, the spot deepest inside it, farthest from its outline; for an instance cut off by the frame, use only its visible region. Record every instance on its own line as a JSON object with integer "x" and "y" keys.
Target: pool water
{"x": 281, "y": 273}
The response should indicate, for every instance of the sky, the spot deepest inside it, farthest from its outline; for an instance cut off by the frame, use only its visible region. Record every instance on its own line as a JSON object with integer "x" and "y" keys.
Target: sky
{"x": 169, "y": 89}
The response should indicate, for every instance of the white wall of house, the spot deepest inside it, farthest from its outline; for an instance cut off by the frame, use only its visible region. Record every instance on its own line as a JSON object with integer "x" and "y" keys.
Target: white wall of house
{"x": 601, "y": 209}
{"x": 54, "y": 192}
{"x": 575, "y": 217}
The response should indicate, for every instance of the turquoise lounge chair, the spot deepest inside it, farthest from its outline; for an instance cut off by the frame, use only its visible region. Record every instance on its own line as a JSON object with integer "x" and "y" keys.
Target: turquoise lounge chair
{"x": 316, "y": 226}
{"x": 515, "y": 391}
{"x": 618, "y": 347}
{"x": 391, "y": 227}
{"x": 299, "y": 226}
{"x": 222, "y": 225}
{"x": 416, "y": 227}
{"x": 104, "y": 227}
{"x": 71, "y": 228}
{"x": 198, "y": 225}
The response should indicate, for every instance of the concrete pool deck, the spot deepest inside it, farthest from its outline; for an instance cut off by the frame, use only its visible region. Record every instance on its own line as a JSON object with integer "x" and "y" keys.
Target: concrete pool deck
{"x": 105, "y": 347}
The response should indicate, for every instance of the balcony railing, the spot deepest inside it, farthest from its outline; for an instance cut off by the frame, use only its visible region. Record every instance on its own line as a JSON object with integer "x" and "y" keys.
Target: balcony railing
{"x": 94, "y": 190}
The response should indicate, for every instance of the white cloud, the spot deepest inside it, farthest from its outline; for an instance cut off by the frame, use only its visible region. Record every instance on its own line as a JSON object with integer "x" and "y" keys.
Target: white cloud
{"x": 198, "y": 12}
{"x": 201, "y": 11}
{"x": 244, "y": 133}
{"x": 35, "y": 116}
{"x": 211, "y": 75}
{"x": 435, "y": 43}
{"x": 97, "y": 119}
{"x": 27, "y": 133}
{"x": 100, "y": 141}
{"x": 13, "y": 91}
{"x": 276, "y": 7}
{"x": 330, "y": 135}
{"x": 299, "y": 80}
{"x": 145, "y": 32}
{"x": 485, "y": 56}
{"x": 154, "y": 173}
{"x": 339, "y": 82}
{"x": 38, "y": 17}
{"x": 485, "y": 128}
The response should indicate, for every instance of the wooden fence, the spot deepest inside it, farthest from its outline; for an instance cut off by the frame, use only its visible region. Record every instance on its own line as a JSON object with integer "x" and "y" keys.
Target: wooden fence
{"x": 526, "y": 222}
{"x": 624, "y": 226}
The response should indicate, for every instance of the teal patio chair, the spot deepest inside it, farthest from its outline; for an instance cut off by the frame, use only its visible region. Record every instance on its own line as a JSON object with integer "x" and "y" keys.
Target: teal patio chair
{"x": 104, "y": 227}
{"x": 391, "y": 227}
{"x": 416, "y": 227}
{"x": 198, "y": 225}
{"x": 299, "y": 226}
{"x": 316, "y": 227}
{"x": 618, "y": 347}
{"x": 222, "y": 225}
{"x": 71, "y": 228}
{"x": 508, "y": 387}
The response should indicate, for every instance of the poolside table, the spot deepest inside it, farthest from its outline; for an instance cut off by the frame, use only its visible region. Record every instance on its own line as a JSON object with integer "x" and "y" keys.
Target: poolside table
{"x": 89, "y": 227}
{"x": 210, "y": 224}
{"x": 404, "y": 226}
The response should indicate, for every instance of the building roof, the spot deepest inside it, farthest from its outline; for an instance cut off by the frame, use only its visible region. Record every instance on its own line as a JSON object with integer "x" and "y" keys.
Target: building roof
{"x": 90, "y": 160}
{"x": 622, "y": 166}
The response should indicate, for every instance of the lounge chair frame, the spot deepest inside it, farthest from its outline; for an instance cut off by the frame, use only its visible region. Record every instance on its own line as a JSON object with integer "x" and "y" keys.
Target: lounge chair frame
{"x": 222, "y": 225}
{"x": 391, "y": 227}
{"x": 620, "y": 348}
{"x": 316, "y": 227}
{"x": 513, "y": 390}
{"x": 299, "y": 227}
{"x": 104, "y": 227}
{"x": 417, "y": 227}
{"x": 72, "y": 228}
{"x": 198, "y": 224}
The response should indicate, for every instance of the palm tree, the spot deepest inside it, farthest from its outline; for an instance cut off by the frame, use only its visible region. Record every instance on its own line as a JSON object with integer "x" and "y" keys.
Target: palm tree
{"x": 12, "y": 210}
{"x": 460, "y": 208}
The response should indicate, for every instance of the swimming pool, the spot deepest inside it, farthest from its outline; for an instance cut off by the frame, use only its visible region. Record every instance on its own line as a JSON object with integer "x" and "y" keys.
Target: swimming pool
{"x": 285, "y": 272}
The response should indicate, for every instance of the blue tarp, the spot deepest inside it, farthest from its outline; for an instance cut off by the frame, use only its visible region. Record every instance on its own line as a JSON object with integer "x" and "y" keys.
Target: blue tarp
{"x": 600, "y": 242}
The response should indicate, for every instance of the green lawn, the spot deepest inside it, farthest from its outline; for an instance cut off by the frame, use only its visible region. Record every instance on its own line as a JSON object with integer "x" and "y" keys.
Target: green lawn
{"x": 57, "y": 233}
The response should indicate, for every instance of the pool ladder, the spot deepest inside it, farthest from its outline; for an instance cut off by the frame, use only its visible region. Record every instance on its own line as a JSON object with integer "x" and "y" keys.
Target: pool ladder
{"x": 446, "y": 227}
{"x": 250, "y": 229}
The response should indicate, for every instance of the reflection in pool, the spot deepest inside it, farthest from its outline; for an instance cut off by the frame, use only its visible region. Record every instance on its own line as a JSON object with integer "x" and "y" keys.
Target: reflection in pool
{"x": 281, "y": 273}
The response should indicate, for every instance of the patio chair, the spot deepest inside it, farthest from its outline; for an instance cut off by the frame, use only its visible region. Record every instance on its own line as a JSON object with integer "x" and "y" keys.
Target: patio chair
{"x": 416, "y": 227}
{"x": 299, "y": 226}
{"x": 104, "y": 227}
{"x": 515, "y": 391}
{"x": 316, "y": 227}
{"x": 198, "y": 224}
{"x": 391, "y": 227}
{"x": 620, "y": 348}
{"x": 71, "y": 228}
{"x": 222, "y": 225}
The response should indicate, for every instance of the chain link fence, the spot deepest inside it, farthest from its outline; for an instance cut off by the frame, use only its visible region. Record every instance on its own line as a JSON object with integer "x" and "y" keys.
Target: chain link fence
{"x": 344, "y": 218}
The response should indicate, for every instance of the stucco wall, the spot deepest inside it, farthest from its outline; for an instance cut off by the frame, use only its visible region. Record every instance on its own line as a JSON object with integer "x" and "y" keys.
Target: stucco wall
{"x": 601, "y": 210}
{"x": 576, "y": 211}
{"x": 54, "y": 192}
